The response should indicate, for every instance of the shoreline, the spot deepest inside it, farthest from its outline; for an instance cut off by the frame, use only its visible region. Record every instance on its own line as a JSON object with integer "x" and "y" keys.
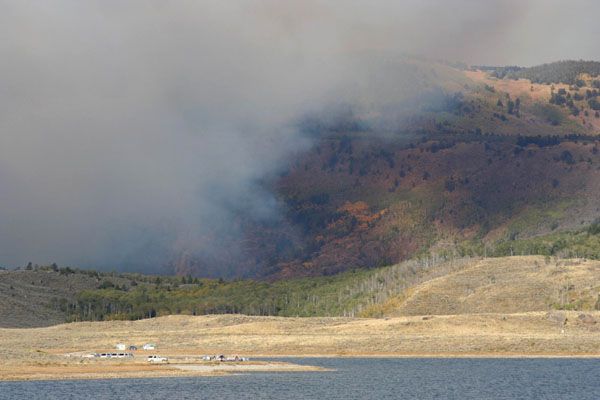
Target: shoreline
{"x": 97, "y": 371}
{"x": 58, "y": 352}
{"x": 437, "y": 356}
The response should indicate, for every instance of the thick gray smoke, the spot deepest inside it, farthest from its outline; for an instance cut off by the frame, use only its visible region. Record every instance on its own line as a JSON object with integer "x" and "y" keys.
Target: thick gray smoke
{"x": 130, "y": 130}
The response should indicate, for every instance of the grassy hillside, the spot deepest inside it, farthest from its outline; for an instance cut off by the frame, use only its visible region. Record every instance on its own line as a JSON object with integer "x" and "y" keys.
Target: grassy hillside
{"x": 46, "y": 296}
{"x": 502, "y": 284}
{"x": 41, "y": 297}
{"x": 428, "y": 286}
{"x": 345, "y": 294}
{"x": 505, "y": 285}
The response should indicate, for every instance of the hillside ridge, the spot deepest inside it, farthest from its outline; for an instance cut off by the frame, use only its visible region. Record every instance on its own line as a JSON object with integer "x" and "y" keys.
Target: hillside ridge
{"x": 508, "y": 285}
{"x": 425, "y": 287}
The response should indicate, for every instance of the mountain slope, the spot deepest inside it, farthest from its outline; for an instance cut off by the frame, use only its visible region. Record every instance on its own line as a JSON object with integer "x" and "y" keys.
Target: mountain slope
{"x": 32, "y": 298}
{"x": 38, "y": 298}
{"x": 471, "y": 159}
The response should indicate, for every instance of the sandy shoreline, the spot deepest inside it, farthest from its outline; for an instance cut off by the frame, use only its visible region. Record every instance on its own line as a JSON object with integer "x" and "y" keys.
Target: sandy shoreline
{"x": 55, "y": 352}
{"x": 138, "y": 370}
{"x": 145, "y": 371}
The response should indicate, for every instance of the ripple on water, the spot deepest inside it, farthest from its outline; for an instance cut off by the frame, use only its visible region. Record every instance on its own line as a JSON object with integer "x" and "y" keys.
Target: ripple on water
{"x": 363, "y": 379}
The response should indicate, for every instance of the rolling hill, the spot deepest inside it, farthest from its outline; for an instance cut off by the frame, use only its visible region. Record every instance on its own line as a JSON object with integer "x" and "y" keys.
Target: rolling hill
{"x": 30, "y": 298}
{"x": 503, "y": 285}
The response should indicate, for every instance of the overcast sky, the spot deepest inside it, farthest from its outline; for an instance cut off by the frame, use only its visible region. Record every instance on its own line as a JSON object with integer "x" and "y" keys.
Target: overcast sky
{"x": 132, "y": 129}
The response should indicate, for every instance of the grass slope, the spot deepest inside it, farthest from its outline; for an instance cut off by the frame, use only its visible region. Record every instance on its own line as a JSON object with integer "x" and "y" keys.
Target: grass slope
{"x": 38, "y": 298}
{"x": 426, "y": 286}
{"x": 506, "y": 285}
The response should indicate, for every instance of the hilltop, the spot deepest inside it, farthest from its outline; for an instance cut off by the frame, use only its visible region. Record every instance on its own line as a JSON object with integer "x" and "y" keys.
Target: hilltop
{"x": 566, "y": 71}
{"x": 505, "y": 285}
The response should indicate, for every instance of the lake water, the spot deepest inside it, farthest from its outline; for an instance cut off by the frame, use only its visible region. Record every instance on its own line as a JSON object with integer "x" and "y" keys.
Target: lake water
{"x": 353, "y": 379}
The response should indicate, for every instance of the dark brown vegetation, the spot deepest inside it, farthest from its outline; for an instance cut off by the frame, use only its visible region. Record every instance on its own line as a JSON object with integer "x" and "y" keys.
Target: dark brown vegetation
{"x": 482, "y": 161}
{"x": 354, "y": 203}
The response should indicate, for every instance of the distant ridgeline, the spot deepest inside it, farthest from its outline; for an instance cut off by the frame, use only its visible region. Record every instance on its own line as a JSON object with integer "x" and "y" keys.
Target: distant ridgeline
{"x": 557, "y": 72}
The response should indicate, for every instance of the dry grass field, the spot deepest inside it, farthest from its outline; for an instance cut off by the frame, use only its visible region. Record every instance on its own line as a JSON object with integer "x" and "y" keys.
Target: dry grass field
{"x": 532, "y": 92}
{"x": 516, "y": 87}
{"x": 505, "y": 285}
{"x": 41, "y": 353}
{"x": 491, "y": 307}
{"x": 523, "y": 333}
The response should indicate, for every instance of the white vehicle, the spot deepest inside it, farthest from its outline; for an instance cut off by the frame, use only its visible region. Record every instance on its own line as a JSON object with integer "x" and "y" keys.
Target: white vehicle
{"x": 157, "y": 359}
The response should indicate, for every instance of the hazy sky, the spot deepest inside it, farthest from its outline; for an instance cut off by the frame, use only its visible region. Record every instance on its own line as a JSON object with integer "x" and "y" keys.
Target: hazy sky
{"x": 131, "y": 129}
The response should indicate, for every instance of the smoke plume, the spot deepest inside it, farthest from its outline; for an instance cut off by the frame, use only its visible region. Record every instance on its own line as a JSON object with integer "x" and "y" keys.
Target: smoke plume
{"x": 131, "y": 131}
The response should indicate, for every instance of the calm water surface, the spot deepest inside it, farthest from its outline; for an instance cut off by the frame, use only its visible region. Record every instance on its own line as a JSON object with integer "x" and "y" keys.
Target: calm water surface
{"x": 353, "y": 379}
